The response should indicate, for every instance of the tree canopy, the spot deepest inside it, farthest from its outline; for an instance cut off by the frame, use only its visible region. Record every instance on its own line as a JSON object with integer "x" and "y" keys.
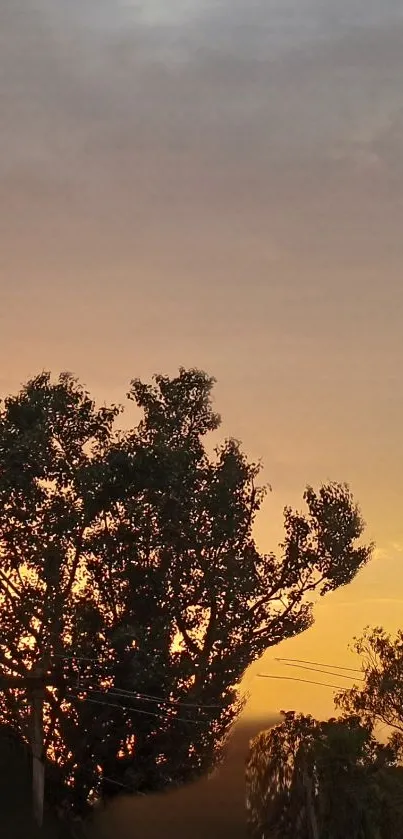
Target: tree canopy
{"x": 307, "y": 778}
{"x": 379, "y": 697}
{"x": 128, "y": 568}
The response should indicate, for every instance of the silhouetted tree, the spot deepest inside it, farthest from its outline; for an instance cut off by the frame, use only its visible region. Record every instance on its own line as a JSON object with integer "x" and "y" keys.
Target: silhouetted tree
{"x": 128, "y": 567}
{"x": 378, "y": 700}
{"x": 380, "y": 696}
{"x": 345, "y": 768}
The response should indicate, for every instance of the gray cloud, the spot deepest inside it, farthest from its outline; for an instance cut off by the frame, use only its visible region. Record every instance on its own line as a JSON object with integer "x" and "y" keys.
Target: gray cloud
{"x": 101, "y": 64}
{"x": 144, "y": 108}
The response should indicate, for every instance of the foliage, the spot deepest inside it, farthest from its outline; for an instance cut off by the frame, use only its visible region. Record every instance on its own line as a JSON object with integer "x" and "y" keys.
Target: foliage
{"x": 345, "y": 768}
{"x": 275, "y": 794}
{"x": 380, "y": 696}
{"x": 128, "y": 569}
{"x": 378, "y": 701}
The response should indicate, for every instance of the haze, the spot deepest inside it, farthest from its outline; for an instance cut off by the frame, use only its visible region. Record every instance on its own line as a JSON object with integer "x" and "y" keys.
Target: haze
{"x": 220, "y": 184}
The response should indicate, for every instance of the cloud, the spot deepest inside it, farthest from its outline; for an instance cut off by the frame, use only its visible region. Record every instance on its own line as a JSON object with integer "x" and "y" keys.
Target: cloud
{"x": 389, "y": 550}
{"x": 194, "y": 76}
{"x": 215, "y": 114}
{"x": 362, "y": 159}
{"x": 397, "y": 547}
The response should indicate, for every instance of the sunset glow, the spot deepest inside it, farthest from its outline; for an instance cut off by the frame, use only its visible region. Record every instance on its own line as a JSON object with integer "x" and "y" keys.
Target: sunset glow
{"x": 220, "y": 186}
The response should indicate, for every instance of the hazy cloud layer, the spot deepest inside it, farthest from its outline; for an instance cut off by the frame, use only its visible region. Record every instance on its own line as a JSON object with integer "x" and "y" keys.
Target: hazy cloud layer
{"x": 246, "y": 153}
{"x": 90, "y": 88}
{"x": 207, "y": 140}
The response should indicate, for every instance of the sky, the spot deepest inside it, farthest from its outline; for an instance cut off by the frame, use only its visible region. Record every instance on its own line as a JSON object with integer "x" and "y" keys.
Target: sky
{"x": 220, "y": 185}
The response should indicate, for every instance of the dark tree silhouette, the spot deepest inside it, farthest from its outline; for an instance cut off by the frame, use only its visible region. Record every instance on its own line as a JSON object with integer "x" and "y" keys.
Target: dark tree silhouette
{"x": 128, "y": 568}
{"x": 339, "y": 764}
{"x": 378, "y": 700}
{"x": 380, "y": 696}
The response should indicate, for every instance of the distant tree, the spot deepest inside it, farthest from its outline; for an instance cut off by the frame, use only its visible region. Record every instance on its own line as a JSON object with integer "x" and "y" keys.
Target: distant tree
{"x": 330, "y": 773}
{"x": 128, "y": 567}
{"x": 379, "y": 699}
{"x": 275, "y": 793}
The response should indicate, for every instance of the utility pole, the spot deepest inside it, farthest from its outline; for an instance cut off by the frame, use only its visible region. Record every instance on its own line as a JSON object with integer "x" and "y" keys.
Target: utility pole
{"x": 37, "y": 694}
{"x": 34, "y": 683}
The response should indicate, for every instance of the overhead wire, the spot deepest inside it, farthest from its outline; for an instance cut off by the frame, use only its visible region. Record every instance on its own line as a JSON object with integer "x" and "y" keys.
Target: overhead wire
{"x": 303, "y": 664}
{"x": 320, "y": 664}
{"x": 134, "y": 710}
{"x": 326, "y": 672}
{"x": 295, "y": 679}
{"x": 144, "y": 697}
{"x": 147, "y": 697}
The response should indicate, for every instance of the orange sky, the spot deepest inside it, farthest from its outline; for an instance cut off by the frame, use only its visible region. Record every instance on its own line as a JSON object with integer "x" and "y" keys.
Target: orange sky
{"x": 220, "y": 185}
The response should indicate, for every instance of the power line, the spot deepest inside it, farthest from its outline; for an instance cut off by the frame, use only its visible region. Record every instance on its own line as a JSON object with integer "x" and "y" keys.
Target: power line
{"x": 146, "y": 697}
{"x": 320, "y": 664}
{"x": 294, "y": 679}
{"x": 317, "y": 670}
{"x": 134, "y": 710}
{"x": 75, "y": 657}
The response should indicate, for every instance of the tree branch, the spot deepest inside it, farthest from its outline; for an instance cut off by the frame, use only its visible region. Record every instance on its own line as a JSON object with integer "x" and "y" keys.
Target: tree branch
{"x": 191, "y": 645}
{"x": 76, "y": 561}
{"x": 277, "y": 619}
{"x": 110, "y": 580}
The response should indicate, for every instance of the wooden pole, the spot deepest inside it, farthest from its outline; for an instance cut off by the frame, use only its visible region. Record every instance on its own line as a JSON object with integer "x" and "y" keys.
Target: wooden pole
{"x": 34, "y": 683}
{"x": 37, "y": 743}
